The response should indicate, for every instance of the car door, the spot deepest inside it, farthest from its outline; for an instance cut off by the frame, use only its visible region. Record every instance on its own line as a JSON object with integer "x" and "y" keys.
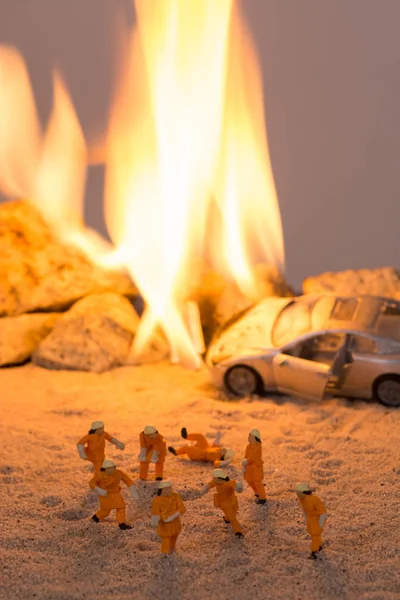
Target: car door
{"x": 299, "y": 377}
{"x": 304, "y": 369}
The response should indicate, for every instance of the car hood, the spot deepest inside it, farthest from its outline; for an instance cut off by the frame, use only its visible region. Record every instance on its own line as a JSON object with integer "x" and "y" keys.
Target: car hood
{"x": 249, "y": 334}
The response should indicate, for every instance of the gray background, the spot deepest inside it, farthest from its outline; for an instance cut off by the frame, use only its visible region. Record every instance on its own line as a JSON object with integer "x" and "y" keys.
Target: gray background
{"x": 331, "y": 71}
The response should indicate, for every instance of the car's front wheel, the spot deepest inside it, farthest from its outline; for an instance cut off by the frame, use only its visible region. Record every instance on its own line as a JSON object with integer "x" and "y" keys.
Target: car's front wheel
{"x": 242, "y": 381}
{"x": 386, "y": 390}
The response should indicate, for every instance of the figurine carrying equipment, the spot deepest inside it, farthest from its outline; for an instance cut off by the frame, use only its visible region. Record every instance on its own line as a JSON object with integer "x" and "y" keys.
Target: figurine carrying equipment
{"x": 92, "y": 446}
{"x": 202, "y": 451}
{"x": 316, "y": 516}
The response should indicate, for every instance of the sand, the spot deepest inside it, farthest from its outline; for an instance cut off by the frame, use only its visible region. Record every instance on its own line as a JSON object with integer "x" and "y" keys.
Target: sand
{"x": 51, "y": 551}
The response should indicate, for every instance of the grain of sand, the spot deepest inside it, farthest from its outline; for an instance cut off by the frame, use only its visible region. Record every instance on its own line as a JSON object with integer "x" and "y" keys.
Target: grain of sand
{"x": 51, "y": 551}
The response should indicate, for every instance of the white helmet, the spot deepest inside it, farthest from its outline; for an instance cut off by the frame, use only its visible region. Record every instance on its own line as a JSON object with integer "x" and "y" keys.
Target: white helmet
{"x": 149, "y": 429}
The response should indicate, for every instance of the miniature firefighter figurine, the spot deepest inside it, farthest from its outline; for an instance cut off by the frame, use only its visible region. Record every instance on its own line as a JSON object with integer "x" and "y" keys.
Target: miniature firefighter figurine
{"x": 92, "y": 446}
{"x": 316, "y": 515}
{"x": 106, "y": 484}
{"x": 202, "y": 451}
{"x": 166, "y": 511}
{"x": 252, "y": 466}
{"x": 152, "y": 449}
{"x": 225, "y": 498}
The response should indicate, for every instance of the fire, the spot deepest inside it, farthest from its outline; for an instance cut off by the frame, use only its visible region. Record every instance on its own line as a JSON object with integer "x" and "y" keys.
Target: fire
{"x": 48, "y": 168}
{"x": 189, "y": 180}
{"x": 187, "y": 134}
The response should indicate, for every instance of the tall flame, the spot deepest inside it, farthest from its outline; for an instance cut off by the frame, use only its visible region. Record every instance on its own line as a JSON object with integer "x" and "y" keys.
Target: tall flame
{"x": 49, "y": 169}
{"x": 189, "y": 180}
{"x": 187, "y": 134}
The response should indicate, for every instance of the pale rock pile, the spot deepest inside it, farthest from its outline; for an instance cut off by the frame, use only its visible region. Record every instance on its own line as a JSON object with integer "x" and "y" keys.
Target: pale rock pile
{"x": 384, "y": 281}
{"x": 64, "y": 312}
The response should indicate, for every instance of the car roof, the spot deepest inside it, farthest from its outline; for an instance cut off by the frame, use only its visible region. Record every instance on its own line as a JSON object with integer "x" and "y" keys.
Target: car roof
{"x": 353, "y": 313}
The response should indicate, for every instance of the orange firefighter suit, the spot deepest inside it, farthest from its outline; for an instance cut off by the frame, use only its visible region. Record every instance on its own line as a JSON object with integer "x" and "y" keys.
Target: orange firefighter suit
{"x": 226, "y": 499}
{"x": 164, "y": 507}
{"x": 313, "y": 508}
{"x": 254, "y": 472}
{"x": 114, "y": 499}
{"x": 201, "y": 451}
{"x": 152, "y": 445}
{"x": 94, "y": 446}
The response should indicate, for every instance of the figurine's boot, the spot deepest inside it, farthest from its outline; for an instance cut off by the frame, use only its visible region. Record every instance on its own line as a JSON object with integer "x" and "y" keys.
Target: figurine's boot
{"x": 258, "y": 489}
{"x": 125, "y": 526}
{"x": 261, "y": 500}
{"x": 313, "y": 556}
{"x": 172, "y": 450}
{"x": 159, "y": 471}
{"x": 239, "y": 534}
{"x": 95, "y": 519}
{"x": 230, "y": 515}
{"x": 184, "y": 433}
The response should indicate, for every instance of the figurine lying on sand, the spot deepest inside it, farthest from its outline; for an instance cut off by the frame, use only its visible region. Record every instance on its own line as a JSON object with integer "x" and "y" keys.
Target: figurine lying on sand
{"x": 202, "y": 451}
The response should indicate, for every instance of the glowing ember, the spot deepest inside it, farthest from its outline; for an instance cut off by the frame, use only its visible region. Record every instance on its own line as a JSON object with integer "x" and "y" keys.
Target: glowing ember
{"x": 186, "y": 143}
{"x": 187, "y": 131}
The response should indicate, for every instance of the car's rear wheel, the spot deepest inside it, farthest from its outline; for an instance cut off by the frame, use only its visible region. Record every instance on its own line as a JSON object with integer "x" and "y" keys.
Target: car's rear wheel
{"x": 242, "y": 381}
{"x": 386, "y": 390}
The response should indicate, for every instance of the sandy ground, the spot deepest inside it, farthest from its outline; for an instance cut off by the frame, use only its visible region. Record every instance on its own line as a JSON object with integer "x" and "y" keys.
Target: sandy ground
{"x": 51, "y": 551}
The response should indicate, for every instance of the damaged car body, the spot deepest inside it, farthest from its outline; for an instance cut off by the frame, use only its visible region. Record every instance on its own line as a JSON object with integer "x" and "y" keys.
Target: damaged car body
{"x": 312, "y": 346}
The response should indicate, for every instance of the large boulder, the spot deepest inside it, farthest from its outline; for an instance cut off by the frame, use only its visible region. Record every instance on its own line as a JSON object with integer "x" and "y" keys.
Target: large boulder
{"x": 95, "y": 335}
{"x": 20, "y": 336}
{"x": 384, "y": 281}
{"x": 37, "y": 272}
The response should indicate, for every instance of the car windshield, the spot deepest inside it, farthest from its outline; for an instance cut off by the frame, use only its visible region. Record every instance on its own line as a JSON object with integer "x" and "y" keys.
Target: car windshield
{"x": 292, "y": 321}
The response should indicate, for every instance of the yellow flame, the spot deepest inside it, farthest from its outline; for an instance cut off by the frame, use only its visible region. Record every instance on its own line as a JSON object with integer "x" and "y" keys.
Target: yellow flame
{"x": 49, "y": 169}
{"x": 20, "y": 133}
{"x": 187, "y": 134}
{"x": 189, "y": 179}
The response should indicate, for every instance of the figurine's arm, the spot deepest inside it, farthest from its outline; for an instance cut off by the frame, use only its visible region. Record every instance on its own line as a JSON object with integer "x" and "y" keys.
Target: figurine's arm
{"x": 238, "y": 487}
{"x": 154, "y": 456}
{"x": 217, "y": 440}
{"x": 143, "y": 448}
{"x": 81, "y": 451}
{"x": 159, "y": 448}
{"x": 114, "y": 441}
{"x": 155, "y": 512}
{"x": 207, "y": 487}
{"x": 81, "y": 447}
{"x": 99, "y": 491}
{"x": 322, "y": 520}
{"x": 180, "y": 510}
{"x": 129, "y": 483}
{"x": 323, "y": 515}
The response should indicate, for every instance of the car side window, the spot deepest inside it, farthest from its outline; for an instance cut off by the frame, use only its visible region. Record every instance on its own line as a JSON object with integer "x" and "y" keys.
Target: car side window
{"x": 320, "y": 348}
{"x": 362, "y": 344}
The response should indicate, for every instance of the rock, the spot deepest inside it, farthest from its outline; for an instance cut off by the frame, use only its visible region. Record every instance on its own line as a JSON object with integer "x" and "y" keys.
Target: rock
{"x": 20, "y": 336}
{"x": 39, "y": 273}
{"x": 94, "y": 335}
{"x": 380, "y": 282}
{"x": 269, "y": 282}
{"x": 155, "y": 350}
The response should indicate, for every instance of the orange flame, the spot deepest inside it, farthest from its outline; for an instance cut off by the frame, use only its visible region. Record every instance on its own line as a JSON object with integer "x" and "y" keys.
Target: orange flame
{"x": 187, "y": 130}
{"x": 49, "y": 169}
{"x": 186, "y": 142}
